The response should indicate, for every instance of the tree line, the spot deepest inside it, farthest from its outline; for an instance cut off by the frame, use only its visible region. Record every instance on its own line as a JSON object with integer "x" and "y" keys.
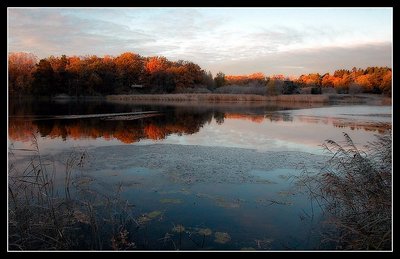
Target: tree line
{"x": 93, "y": 75}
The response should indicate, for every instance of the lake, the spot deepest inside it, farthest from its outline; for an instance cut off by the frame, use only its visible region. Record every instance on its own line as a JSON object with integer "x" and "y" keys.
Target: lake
{"x": 197, "y": 177}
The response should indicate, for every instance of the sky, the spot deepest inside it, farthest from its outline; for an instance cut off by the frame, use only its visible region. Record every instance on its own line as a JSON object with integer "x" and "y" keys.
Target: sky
{"x": 289, "y": 41}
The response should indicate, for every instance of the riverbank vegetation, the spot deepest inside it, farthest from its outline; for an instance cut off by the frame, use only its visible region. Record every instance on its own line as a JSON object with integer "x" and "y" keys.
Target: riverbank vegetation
{"x": 130, "y": 73}
{"x": 354, "y": 190}
{"x": 52, "y": 212}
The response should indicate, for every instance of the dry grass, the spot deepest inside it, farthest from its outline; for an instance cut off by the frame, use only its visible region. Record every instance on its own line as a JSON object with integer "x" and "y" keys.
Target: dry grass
{"x": 354, "y": 190}
{"x": 220, "y": 98}
{"x": 44, "y": 215}
{"x": 239, "y": 89}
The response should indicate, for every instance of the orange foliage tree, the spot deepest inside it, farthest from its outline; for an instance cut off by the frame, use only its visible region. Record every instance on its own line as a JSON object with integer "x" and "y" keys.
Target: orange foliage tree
{"x": 91, "y": 75}
{"x": 20, "y": 68}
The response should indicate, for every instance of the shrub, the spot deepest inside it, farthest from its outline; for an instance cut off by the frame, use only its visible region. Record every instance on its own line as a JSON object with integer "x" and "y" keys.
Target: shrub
{"x": 274, "y": 87}
{"x": 316, "y": 90}
{"x": 354, "y": 190}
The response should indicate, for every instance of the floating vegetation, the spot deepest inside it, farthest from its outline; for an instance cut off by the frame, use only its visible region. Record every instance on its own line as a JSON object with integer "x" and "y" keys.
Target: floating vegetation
{"x": 83, "y": 180}
{"x": 204, "y": 195}
{"x": 274, "y": 202}
{"x": 284, "y": 177}
{"x": 227, "y": 204}
{"x": 222, "y": 237}
{"x": 172, "y": 201}
{"x": 145, "y": 218}
{"x": 221, "y": 202}
{"x": 205, "y": 231}
{"x": 265, "y": 181}
{"x": 178, "y": 229}
{"x": 130, "y": 184}
{"x": 154, "y": 214}
{"x": 286, "y": 193}
{"x": 264, "y": 243}
{"x": 182, "y": 191}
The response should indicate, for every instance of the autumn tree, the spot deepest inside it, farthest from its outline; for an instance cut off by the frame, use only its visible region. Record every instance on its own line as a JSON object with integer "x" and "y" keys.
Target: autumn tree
{"x": 43, "y": 79}
{"x": 386, "y": 85}
{"x": 21, "y": 65}
{"x": 156, "y": 64}
{"x": 327, "y": 80}
{"x": 93, "y": 75}
{"x": 59, "y": 66}
{"x": 129, "y": 70}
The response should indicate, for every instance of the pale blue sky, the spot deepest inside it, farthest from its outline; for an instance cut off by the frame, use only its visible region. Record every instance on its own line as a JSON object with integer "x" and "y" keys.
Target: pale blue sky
{"x": 289, "y": 41}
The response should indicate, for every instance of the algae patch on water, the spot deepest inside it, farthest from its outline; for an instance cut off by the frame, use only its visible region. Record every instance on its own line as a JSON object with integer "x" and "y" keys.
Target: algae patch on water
{"x": 178, "y": 229}
{"x": 149, "y": 216}
{"x": 205, "y": 231}
{"x": 222, "y": 237}
{"x": 172, "y": 201}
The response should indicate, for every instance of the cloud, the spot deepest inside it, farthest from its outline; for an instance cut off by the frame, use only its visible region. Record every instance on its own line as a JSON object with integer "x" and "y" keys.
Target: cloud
{"x": 304, "y": 61}
{"x": 45, "y": 32}
{"x": 217, "y": 40}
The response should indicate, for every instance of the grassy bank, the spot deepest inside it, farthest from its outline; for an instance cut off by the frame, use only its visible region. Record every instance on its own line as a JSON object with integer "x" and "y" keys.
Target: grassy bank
{"x": 220, "y": 98}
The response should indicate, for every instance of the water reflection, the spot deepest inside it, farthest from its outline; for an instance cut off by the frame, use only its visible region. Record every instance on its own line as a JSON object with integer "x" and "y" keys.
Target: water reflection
{"x": 26, "y": 118}
{"x": 237, "y": 193}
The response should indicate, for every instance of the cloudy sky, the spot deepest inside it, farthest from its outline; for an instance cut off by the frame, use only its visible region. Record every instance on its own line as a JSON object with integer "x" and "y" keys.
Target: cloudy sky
{"x": 289, "y": 41}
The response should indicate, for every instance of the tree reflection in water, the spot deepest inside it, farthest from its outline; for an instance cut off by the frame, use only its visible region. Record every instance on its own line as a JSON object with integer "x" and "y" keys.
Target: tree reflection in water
{"x": 27, "y": 117}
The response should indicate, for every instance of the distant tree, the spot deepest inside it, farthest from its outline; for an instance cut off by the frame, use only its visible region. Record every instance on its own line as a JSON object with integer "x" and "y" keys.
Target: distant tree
{"x": 253, "y": 79}
{"x": 129, "y": 69}
{"x": 342, "y": 84}
{"x": 327, "y": 80}
{"x": 289, "y": 87}
{"x": 59, "y": 66}
{"x": 275, "y": 87}
{"x": 386, "y": 85}
{"x": 365, "y": 82}
{"x": 208, "y": 80}
{"x": 108, "y": 75}
{"x": 341, "y": 72}
{"x": 156, "y": 64}
{"x": 43, "y": 79}
{"x": 219, "y": 79}
{"x": 21, "y": 65}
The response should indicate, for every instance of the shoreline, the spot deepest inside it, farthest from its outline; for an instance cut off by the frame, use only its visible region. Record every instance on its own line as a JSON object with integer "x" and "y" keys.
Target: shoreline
{"x": 227, "y": 99}
{"x": 251, "y": 99}
{"x": 219, "y": 98}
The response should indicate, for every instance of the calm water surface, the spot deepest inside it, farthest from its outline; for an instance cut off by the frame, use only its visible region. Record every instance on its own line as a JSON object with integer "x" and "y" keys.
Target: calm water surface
{"x": 266, "y": 214}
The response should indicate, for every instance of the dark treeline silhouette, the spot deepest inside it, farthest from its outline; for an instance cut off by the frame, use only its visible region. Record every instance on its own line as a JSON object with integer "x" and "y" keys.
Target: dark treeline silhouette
{"x": 131, "y": 73}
